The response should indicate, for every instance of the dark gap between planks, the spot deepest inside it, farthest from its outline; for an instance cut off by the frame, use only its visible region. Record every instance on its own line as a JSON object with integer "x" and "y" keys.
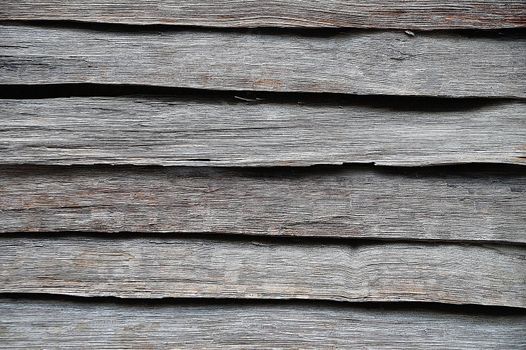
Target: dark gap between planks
{"x": 319, "y": 32}
{"x": 255, "y": 239}
{"x": 464, "y": 309}
{"x": 472, "y": 170}
{"x": 400, "y": 103}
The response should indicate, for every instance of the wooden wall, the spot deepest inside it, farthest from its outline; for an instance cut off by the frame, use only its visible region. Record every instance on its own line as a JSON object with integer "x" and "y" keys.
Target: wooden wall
{"x": 262, "y": 174}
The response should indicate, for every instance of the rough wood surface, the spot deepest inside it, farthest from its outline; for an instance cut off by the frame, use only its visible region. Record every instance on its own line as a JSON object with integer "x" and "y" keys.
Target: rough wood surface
{"x": 360, "y": 62}
{"x": 202, "y": 268}
{"x": 171, "y": 131}
{"x": 357, "y": 202}
{"x": 27, "y": 324}
{"x": 413, "y": 14}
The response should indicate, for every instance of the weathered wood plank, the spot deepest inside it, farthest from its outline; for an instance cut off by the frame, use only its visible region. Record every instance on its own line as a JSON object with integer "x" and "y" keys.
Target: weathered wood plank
{"x": 413, "y": 14}
{"x": 171, "y": 131}
{"x": 39, "y": 324}
{"x": 362, "y": 62}
{"x": 355, "y": 202}
{"x": 187, "y": 268}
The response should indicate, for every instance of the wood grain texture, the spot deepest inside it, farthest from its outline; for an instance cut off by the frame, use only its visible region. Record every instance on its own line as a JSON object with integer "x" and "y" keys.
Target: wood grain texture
{"x": 414, "y": 14}
{"x": 203, "y": 268}
{"x": 171, "y": 131}
{"x": 27, "y": 324}
{"x": 359, "y": 62}
{"x": 353, "y": 202}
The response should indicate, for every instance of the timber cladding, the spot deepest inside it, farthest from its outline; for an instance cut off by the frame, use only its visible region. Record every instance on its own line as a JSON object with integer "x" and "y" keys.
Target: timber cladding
{"x": 262, "y": 174}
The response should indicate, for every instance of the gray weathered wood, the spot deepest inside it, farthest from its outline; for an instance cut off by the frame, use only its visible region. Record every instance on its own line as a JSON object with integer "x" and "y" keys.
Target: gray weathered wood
{"x": 27, "y": 324}
{"x": 413, "y": 14}
{"x": 362, "y": 62}
{"x": 171, "y": 131}
{"x": 187, "y": 268}
{"x": 354, "y": 202}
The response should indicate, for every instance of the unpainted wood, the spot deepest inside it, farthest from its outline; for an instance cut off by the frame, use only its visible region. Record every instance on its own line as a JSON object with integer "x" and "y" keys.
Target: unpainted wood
{"x": 172, "y": 131}
{"x": 359, "y": 62}
{"x": 414, "y": 14}
{"x": 28, "y": 324}
{"x": 354, "y": 202}
{"x": 203, "y": 268}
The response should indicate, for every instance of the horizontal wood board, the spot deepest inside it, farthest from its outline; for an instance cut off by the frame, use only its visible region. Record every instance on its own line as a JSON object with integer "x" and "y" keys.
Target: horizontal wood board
{"x": 448, "y": 204}
{"x": 414, "y": 14}
{"x": 87, "y": 325}
{"x": 203, "y": 268}
{"x": 358, "y": 62}
{"x": 172, "y": 131}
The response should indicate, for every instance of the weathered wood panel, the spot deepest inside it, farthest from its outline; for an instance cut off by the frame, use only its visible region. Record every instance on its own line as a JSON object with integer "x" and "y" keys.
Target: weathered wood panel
{"x": 413, "y": 14}
{"x": 358, "y": 202}
{"x": 171, "y": 131}
{"x": 91, "y": 325}
{"x": 360, "y": 62}
{"x": 187, "y": 268}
